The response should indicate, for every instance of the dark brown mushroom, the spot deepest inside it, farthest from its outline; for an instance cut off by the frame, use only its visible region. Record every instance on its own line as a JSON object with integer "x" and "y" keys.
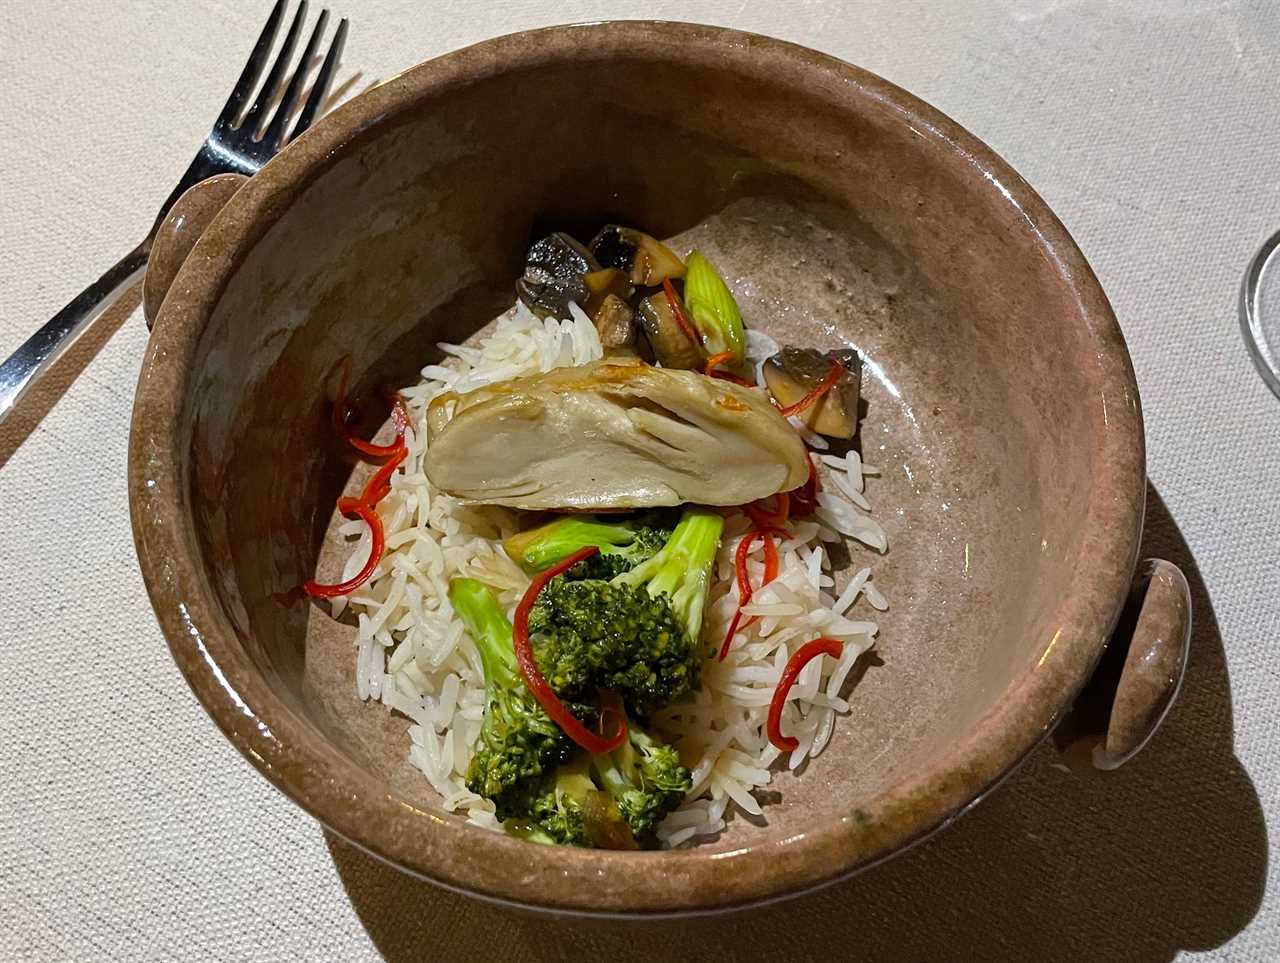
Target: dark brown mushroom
{"x": 553, "y": 276}
{"x": 793, "y": 372}
{"x": 671, "y": 345}
{"x": 645, "y": 259}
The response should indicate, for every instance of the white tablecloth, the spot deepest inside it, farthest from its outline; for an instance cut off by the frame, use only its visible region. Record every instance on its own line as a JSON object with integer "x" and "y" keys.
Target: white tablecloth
{"x": 130, "y": 829}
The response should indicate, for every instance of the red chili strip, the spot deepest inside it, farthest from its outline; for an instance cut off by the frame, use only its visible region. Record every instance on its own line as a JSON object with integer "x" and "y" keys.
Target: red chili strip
{"x": 740, "y": 564}
{"x": 803, "y": 656}
{"x": 712, "y": 370}
{"x": 365, "y": 507}
{"x": 536, "y": 681}
{"x": 674, "y": 300}
{"x": 372, "y": 450}
{"x": 744, "y": 583}
{"x": 770, "y": 559}
{"x": 379, "y": 486}
{"x": 359, "y": 509}
{"x": 728, "y": 636}
{"x": 827, "y": 383}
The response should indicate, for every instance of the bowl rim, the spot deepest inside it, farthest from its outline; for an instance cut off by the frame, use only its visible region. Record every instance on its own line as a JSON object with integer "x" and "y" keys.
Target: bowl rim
{"x": 359, "y": 808}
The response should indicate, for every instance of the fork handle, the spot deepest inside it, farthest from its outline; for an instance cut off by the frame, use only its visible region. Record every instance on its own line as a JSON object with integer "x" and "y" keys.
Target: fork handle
{"x": 38, "y": 353}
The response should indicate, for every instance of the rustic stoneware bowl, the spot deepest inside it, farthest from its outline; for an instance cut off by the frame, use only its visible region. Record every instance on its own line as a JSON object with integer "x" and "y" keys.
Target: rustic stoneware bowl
{"x": 1000, "y": 403}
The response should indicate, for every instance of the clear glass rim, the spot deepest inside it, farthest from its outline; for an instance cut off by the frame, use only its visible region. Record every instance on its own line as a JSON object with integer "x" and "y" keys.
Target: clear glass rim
{"x": 1251, "y": 324}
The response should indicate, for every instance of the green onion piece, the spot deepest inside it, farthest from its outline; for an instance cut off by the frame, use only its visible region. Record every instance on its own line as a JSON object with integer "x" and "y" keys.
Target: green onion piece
{"x": 712, "y": 309}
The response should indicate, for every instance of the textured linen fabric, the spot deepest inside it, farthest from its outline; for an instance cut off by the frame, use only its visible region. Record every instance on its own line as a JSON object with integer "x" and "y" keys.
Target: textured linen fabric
{"x": 129, "y": 828}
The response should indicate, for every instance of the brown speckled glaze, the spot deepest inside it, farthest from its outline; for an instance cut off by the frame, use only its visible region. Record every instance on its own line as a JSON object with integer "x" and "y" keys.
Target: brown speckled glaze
{"x": 1001, "y": 407}
{"x": 181, "y": 228}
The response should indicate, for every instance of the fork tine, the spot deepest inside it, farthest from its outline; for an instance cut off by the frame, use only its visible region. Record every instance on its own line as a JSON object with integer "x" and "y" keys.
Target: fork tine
{"x": 275, "y": 130}
{"x": 272, "y": 83}
{"x": 252, "y": 68}
{"x": 324, "y": 80}
{"x": 320, "y": 89}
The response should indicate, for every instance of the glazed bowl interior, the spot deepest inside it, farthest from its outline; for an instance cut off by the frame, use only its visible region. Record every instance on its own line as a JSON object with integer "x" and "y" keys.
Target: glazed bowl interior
{"x": 843, "y": 213}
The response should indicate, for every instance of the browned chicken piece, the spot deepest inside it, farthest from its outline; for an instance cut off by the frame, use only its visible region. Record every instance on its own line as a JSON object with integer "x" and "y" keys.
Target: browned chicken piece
{"x": 612, "y": 435}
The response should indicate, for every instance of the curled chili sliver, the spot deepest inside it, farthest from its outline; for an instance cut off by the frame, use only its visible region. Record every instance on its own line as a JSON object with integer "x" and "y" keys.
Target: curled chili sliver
{"x": 820, "y": 389}
{"x": 770, "y": 559}
{"x": 744, "y": 583}
{"x": 672, "y": 299}
{"x": 363, "y": 510}
{"x": 744, "y": 589}
{"x": 372, "y": 450}
{"x": 728, "y": 636}
{"x": 740, "y": 564}
{"x": 712, "y": 370}
{"x": 590, "y": 741}
{"x": 379, "y": 486}
{"x": 802, "y": 657}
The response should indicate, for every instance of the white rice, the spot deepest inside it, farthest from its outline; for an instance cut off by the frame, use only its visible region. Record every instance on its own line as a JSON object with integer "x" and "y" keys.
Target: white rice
{"x": 413, "y": 655}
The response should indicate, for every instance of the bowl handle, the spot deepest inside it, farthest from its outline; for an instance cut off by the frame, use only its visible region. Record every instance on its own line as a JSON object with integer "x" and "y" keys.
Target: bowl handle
{"x": 1138, "y": 677}
{"x": 177, "y": 235}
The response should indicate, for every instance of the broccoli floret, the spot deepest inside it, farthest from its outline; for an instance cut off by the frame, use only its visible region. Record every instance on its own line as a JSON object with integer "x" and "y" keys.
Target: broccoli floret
{"x": 556, "y": 810}
{"x": 610, "y": 801}
{"x": 593, "y": 634}
{"x": 518, "y": 741}
{"x": 623, "y": 543}
{"x": 637, "y": 634}
{"x": 572, "y": 810}
{"x": 681, "y": 570}
{"x": 645, "y": 779}
{"x": 524, "y": 763}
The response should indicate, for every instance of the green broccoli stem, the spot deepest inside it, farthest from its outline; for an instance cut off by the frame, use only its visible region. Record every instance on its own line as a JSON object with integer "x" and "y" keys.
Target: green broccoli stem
{"x": 541, "y": 547}
{"x": 489, "y": 627}
{"x": 638, "y": 742}
{"x": 681, "y": 570}
{"x": 610, "y": 775}
{"x": 645, "y": 779}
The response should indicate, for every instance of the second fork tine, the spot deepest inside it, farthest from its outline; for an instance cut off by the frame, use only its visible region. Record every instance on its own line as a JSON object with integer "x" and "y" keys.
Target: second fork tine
{"x": 320, "y": 89}
{"x": 253, "y": 119}
{"x": 252, "y": 69}
{"x": 275, "y": 130}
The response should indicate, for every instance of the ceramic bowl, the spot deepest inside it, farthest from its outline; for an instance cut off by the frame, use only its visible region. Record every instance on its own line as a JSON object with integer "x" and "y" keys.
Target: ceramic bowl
{"x": 1000, "y": 404}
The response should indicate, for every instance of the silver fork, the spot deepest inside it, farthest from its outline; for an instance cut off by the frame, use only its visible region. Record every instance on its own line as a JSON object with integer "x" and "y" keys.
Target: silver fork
{"x": 232, "y": 147}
